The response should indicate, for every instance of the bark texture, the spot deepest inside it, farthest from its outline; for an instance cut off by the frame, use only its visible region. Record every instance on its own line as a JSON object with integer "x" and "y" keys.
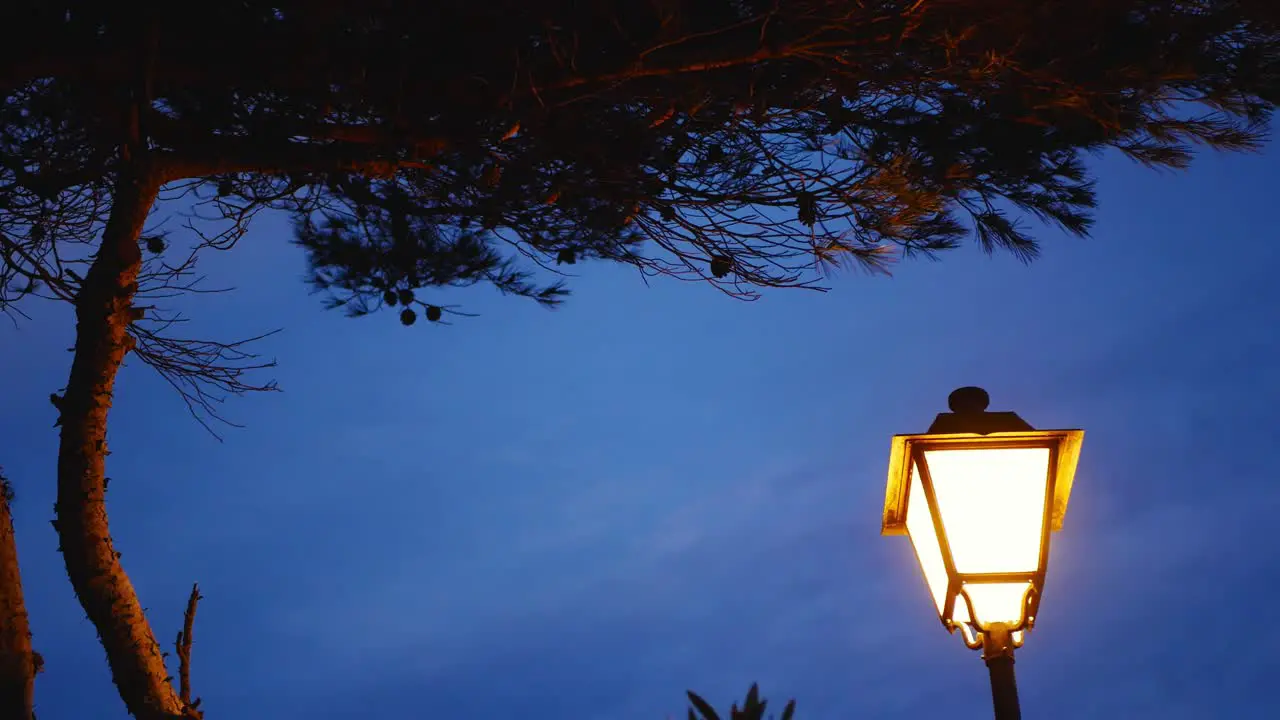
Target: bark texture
{"x": 93, "y": 565}
{"x": 18, "y": 663}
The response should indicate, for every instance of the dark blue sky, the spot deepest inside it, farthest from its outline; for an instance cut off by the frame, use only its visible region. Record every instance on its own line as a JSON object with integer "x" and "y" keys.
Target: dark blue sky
{"x": 576, "y": 515}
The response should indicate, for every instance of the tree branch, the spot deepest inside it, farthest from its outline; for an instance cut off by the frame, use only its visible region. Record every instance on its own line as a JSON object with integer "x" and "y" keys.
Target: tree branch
{"x": 103, "y": 313}
{"x": 203, "y": 372}
{"x": 18, "y": 663}
{"x": 183, "y": 648}
{"x": 316, "y": 147}
{"x": 226, "y": 157}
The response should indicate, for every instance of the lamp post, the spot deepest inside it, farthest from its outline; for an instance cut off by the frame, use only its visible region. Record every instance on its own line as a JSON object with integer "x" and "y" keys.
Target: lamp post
{"x": 979, "y": 495}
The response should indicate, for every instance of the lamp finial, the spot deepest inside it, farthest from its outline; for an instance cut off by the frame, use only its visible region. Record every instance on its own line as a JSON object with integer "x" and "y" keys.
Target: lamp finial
{"x": 968, "y": 400}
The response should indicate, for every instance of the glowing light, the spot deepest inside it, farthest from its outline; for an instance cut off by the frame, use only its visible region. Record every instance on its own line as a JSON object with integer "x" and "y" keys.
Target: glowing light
{"x": 992, "y": 506}
{"x": 925, "y": 540}
{"x": 991, "y": 503}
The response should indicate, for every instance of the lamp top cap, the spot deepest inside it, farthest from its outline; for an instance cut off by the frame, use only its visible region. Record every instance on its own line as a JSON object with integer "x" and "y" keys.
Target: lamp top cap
{"x": 969, "y": 415}
{"x": 968, "y": 400}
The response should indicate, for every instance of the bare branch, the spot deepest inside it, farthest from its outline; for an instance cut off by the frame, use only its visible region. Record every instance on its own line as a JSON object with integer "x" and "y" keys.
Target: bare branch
{"x": 183, "y": 648}
{"x": 203, "y": 372}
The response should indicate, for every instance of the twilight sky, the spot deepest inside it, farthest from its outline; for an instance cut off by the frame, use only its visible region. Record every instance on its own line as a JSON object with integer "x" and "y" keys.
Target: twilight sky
{"x": 576, "y": 515}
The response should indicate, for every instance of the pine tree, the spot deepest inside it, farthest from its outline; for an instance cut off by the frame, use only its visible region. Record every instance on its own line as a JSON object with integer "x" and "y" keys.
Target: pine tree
{"x": 744, "y": 143}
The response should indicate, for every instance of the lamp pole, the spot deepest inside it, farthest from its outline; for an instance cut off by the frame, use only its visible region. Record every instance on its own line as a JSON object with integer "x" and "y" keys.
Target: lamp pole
{"x": 997, "y": 652}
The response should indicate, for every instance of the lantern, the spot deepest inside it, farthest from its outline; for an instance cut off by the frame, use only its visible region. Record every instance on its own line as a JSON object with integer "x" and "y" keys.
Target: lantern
{"x": 979, "y": 495}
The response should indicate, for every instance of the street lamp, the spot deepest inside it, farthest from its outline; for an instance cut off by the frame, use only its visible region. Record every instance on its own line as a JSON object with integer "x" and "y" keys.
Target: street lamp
{"x": 978, "y": 495}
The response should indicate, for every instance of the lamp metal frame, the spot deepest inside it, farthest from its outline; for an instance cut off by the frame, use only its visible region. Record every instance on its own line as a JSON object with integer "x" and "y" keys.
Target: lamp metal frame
{"x": 909, "y": 450}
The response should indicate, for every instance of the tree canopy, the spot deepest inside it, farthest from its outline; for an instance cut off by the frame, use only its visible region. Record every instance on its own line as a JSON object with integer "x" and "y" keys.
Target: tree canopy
{"x": 745, "y": 143}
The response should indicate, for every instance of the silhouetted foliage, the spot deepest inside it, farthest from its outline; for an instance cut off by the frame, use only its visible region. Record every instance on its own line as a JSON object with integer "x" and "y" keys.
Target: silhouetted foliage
{"x": 747, "y": 143}
{"x": 754, "y": 143}
{"x": 753, "y": 707}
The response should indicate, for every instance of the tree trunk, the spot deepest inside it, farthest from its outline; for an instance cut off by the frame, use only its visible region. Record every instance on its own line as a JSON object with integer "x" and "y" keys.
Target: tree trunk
{"x": 103, "y": 314}
{"x": 18, "y": 664}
